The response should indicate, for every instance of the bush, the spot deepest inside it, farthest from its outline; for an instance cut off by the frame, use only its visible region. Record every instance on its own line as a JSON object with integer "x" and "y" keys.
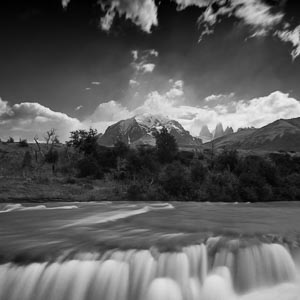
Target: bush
{"x": 10, "y": 140}
{"x": 135, "y": 191}
{"x": 88, "y": 167}
{"x": 198, "y": 172}
{"x": 221, "y": 187}
{"x": 23, "y": 143}
{"x": 175, "y": 181}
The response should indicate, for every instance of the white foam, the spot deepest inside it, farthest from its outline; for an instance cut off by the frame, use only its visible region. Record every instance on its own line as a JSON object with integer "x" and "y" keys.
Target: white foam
{"x": 19, "y": 207}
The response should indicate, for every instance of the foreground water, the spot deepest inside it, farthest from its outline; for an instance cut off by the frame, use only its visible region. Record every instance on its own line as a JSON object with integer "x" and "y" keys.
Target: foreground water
{"x": 130, "y": 251}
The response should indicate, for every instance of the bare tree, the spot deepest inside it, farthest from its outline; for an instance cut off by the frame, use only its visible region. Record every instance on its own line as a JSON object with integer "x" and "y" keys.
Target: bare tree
{"x": 51, "y": 138}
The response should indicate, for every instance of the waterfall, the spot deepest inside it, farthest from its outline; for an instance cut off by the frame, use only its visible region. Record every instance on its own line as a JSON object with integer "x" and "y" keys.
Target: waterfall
{"x": 210, "y": 271}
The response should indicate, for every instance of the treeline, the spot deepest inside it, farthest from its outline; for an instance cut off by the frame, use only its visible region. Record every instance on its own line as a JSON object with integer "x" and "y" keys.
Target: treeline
{"x": 165, "y": 173}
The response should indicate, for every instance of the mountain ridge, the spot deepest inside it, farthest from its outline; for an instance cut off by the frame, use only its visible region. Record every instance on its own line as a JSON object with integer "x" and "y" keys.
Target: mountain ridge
{"x": 140, "y": 130}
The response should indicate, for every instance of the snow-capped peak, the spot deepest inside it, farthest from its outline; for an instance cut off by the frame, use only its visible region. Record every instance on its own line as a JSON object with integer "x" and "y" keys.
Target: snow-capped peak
{"x": 151, "y": 120}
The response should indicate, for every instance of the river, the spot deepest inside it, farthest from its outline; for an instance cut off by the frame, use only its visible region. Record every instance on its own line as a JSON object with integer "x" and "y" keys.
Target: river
{"x": 150, "y": 251}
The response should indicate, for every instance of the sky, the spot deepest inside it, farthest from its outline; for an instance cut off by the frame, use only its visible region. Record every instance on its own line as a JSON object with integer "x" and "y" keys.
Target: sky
{"x": 70, "y": 64}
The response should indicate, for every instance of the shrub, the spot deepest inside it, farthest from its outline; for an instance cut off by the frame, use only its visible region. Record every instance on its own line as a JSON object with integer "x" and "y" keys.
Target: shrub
{"x": 88, "y": 167}
{"x": 175, "y": 181}
{"x": 10, "y": 140}
{"x": 23, "y": 143}
{"x": 198, "y": 172}
{"x": 135, "y": 191}
{"x": 221, "y": 186}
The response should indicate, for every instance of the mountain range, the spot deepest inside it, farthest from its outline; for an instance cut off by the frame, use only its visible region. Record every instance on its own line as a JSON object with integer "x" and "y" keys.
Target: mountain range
{"x": 283, "y": 134}
{"x": 140, "y": 130}
{"x": 206, "y": 135}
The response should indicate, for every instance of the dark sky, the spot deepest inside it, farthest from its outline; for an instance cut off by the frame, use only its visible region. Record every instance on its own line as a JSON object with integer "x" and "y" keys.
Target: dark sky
{"x": 51, "y": 55}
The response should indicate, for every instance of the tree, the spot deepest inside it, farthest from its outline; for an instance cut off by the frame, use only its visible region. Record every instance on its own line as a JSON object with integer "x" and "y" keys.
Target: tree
{"x": 227, "y": 160}
{"x": 85, "y": 141}
{"x": 166, "y": 146}
{"x": 51, "y": 138}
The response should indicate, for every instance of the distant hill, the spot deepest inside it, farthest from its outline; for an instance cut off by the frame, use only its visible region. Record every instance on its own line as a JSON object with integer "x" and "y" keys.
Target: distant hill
{"x": 140, "y": 130}
{"x": 280, "y": 135}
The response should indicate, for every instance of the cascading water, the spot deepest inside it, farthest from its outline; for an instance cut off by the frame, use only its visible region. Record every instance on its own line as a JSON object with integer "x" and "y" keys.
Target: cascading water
{"x": 215, "y": 270}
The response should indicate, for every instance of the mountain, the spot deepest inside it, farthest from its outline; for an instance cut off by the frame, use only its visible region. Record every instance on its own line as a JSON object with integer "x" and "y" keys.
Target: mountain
{"x": 140, "y": 130}
{"x": 228, "y": 130}
{"x": 279, "y": 135}
{"x": 219, "y": 131}
{"x": 205, "y": 135}
{"x": 283, "y": 134}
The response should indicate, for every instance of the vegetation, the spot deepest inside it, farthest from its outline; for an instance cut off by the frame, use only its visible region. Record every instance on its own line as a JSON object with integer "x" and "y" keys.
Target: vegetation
{"x": 158, "y": 173}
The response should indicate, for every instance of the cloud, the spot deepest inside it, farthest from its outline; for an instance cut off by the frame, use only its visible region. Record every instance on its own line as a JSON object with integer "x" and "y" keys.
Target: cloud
{"x": 133, "y": 83}
{"x": 142, "y": 63}
{"x": 143, "y": 13}
{"x": 95, "y": 82}
{"x": 79, "y": 107}
{"x": 27, "y": 119}
{"x": 254, "y": 13}
{"x": 146, "y": 68}
{"x": 261, "y": 17}
{"x": 255, "y": 112}
{"x": 293, "y": 37}
{"x": 106, "y": 114}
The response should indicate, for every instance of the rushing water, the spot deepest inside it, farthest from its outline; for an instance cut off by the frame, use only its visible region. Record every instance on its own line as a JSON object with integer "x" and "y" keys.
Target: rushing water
{"x": 129, "y": 251}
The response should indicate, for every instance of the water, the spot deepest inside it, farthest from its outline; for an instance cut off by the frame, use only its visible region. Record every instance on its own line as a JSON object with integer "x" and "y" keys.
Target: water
{"x": 141, "y": 251}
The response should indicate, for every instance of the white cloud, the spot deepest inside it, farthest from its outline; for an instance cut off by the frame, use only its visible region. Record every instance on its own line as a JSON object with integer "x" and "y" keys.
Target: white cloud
{"x": 79, "y": 107}
{"x": 255, "y": 112}
{"x": 135, "y": 54}
{"x": 254, "y": 13}
{"x": 133, "y": 83}
{"x": 27, "y": 119}
{"x": 142, "y": 64}
{"x": 106, "y": 114}
{"x": 257, "y": 14}
{"x": 291, "y": 36}
{"x": 95, "y": 82}
{"x": 141, "y": 12}
{"x": 146, "y": 68}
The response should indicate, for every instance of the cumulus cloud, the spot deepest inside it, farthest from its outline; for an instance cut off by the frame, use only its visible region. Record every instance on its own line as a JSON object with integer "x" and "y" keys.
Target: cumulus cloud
{"x": 79, "y": 107}
{"x": 106, "y": 114}
{"x": 255, "y": 112}
{"x": 28, "y": 119}
{"x": 95, "y": 83}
